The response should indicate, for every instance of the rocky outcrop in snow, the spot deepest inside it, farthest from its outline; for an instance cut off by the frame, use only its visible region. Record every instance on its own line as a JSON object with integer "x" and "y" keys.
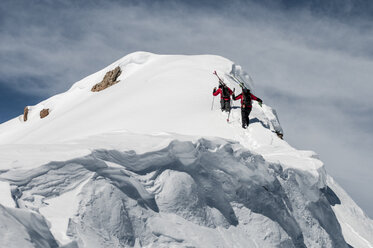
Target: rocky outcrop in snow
{"x": 44, "y": 113}
{"x": 109, "y": 80}
{"x": 25, "y": 113}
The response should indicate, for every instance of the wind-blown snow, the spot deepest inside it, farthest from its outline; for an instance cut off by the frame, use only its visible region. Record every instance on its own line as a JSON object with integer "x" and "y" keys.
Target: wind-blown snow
{"x": 152, "y": 162}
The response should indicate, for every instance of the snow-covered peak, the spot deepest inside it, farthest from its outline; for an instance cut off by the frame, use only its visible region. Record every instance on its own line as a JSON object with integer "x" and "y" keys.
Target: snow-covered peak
{"x": 173, "y": 92}
{"x": 155, "y": 156}
{"x": 159, "y": 94}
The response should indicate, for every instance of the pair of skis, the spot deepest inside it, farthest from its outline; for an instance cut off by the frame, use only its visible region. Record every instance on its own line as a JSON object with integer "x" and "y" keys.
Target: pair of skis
{"x": 220, "y": 80}
{"x": 233, "y": 77}
{"x": 240, "y": 83}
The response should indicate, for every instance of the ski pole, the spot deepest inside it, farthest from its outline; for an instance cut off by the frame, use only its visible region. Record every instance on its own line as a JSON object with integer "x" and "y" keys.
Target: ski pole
{"x": 212, "y": 105}
{"x": 230, "y": 109}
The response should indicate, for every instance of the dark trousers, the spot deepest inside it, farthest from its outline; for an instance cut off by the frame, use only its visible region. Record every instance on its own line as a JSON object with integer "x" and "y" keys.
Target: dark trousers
{"x": 245, "y": 112}
{"x": 225, "y": 105}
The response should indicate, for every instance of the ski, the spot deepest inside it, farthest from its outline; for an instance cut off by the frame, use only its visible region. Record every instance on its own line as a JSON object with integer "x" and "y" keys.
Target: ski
{"x": 240, "y": 82}
{"x": 220, "y": 80}
{"x": 239, "y": 78}
{"x": 237, "y": 81}
{"x": 234, "y": 78}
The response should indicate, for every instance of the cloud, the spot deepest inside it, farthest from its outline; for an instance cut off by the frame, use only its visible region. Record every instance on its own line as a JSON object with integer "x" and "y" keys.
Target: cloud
{"x": 313, "y": 68}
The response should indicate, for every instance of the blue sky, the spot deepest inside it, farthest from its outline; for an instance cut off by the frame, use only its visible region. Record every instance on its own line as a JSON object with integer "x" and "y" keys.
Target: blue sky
{"x": 311, "y": 60}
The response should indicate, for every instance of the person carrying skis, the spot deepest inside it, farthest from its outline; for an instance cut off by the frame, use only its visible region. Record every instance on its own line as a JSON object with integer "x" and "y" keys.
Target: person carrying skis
{"x": 225, "y": 97}
{"x": 246, "y": 106}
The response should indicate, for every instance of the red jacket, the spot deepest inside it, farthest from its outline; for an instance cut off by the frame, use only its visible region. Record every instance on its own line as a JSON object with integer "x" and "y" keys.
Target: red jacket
{"x": 242, "y": 103}
{"x": 220, "y": 91}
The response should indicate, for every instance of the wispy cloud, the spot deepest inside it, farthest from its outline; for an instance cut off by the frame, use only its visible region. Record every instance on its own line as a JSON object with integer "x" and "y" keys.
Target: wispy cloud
{"x": 315, "y": 69}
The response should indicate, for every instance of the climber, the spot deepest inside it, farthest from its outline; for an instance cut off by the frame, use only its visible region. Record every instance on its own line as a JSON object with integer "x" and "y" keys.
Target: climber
{"x": 246, "y": 106}
{"x": 225, "y": 98}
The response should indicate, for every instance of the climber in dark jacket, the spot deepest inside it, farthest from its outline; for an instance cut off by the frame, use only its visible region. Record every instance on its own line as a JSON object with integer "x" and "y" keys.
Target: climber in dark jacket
{"x": 225, "y": 97}
{"x": 246, "y": 106}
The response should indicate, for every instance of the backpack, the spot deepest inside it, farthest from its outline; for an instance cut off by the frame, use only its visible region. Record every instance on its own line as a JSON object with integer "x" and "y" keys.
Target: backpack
{"x": 225, "y": 92}
{"x": 246, "y": 99}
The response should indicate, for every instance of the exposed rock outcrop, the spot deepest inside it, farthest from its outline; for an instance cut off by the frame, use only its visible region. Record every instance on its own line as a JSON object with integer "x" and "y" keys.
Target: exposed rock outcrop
{"x": 280, "y": 135}
{"x": 44, "y": 113}
{"x": 109, "y": 80}
{"x": 25, "y": 113}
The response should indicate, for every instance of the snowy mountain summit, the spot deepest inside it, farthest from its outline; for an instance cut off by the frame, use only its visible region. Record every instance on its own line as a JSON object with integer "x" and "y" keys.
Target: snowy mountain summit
{"x": 139, "y": 154}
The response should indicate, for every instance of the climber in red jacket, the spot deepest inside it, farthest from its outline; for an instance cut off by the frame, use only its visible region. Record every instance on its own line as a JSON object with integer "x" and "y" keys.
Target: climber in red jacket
{"x": 225, "y": 97}
{"x": 246, "y": 106}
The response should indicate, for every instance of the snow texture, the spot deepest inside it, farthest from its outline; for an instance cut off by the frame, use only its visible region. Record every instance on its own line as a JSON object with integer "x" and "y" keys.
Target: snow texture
{"x": 148, "y": 163}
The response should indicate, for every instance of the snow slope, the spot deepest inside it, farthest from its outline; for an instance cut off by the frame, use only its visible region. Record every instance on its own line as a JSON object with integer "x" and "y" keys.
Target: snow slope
{"x": 152, "y": 162}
